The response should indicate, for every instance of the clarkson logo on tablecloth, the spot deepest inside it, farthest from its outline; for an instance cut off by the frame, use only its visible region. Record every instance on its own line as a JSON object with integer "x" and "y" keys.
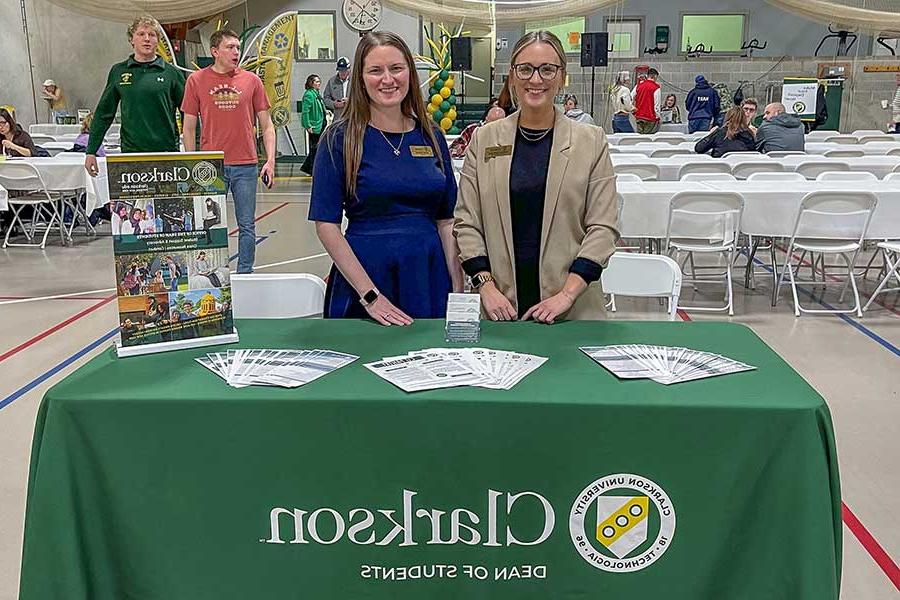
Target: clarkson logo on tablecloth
{"x": 622, "y": 523}
{"x": 619, "y": 523}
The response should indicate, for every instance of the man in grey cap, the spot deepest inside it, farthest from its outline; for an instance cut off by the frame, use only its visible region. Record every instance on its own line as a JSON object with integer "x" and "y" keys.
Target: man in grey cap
{"x": 337, "y": 89}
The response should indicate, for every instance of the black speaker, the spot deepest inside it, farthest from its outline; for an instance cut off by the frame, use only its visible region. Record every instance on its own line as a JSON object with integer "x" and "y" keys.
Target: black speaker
{"x": 461, "y": 54}
{"x": 594, "y": 49}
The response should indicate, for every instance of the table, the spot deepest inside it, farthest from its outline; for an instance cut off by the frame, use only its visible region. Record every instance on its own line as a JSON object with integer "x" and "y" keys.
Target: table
{"x": 673, "y": 128}
{"x": 669, "y": 167}
{"x": 770, "y": 208}
{"x": 50, "y": 129}
{"x": 65, "y": 172}
{"x": 150, "y": 477}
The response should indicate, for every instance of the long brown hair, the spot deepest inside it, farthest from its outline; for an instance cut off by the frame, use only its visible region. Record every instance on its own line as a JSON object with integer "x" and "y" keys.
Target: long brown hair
{"x": 14, "y": 128}
{"x": 547, "y": 37}
{"x": 357, "y": 114}
{"x": 734, "y": 122}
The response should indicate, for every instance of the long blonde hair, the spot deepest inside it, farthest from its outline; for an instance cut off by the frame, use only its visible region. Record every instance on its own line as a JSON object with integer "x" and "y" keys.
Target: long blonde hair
{"x": 532, "y": 37}
{"x": 356, "y": 116}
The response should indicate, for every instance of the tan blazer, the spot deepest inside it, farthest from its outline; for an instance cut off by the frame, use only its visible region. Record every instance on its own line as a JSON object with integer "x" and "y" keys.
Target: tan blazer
{"x": 580, "y": 211}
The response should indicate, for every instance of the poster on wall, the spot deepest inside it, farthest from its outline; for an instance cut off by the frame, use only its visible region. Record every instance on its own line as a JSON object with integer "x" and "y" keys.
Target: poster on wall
{"x": 170, "y": 246}
{"x": 798, "y": 95}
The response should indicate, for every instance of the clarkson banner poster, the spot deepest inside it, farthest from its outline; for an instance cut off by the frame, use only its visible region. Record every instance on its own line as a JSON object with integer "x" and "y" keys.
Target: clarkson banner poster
{"x": 170, "y": 246}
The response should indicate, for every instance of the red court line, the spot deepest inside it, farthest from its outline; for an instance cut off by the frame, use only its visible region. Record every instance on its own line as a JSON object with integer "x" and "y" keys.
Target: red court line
{"x": 871, "y": 545}
{"x": 55, "y": 328}
{"x": 684, "y": 316}
{"x": 69, "y": 298}
{"x": 262, "y": 216}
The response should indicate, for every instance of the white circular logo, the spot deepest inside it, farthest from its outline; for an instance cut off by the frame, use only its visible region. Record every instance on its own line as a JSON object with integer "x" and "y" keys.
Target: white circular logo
{"x": 622, "y": 523}
{"x": 204, "y": 173}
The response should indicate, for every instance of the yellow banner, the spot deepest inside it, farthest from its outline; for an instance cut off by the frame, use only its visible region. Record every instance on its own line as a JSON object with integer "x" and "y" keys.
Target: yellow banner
{"x": 278, "y": 41}
{"x": 164, "y": 48}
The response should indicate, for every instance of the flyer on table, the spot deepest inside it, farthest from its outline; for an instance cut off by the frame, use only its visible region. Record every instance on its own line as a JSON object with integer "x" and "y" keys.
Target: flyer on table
{"x": 170, "y": 243}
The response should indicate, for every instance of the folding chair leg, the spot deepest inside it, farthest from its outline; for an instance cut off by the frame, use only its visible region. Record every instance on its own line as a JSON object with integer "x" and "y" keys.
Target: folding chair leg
{"x": 850, "y": 262}
{"x": 729, "y": 292}
{"x": 893, "y": 270}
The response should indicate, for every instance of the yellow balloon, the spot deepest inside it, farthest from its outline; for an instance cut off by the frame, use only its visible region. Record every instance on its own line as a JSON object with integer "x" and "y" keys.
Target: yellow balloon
{"x": 446, "y": 123}
{"x": 451, "y": 114}
{"x": 445, "y": 93}
{"x": 437, "y": 99}
{"x": 449, "y": 82}
{"x": 431, "y": 108}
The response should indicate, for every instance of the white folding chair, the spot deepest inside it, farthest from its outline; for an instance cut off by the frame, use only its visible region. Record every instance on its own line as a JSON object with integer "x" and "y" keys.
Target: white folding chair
{"x": 667, "y": 152}
{"x": 783, "y": 153}
{"x": 628, "y": 178}
{"x": 861, "y": 132}
{"x": 881, "y": 137}
{"x": 811, "y": 169}
{"x": 891, "y": 252}
{"x": 41, "y": 138}
{"x": 841, "y": 139}
{"x": 743, "y": 170}
{"x": 828, "y": 223}
{"x": 632, "y": 140}
{"x": 669, "y": 139}
{"x": 705, "y": 223}
{"x": 642, "y": 275}
{"x": 819, "y": 135}
{"x": 711, "y": 166}
{"x": 29, "y": 190}
{"x": 741, "y": 153}
{"x": 782, "y": 176}
{"x": 613, "y": 149}
{"x": 843, "y": 153}
{"x": 893, "y": 176}
{"x": 277, "y": 295}
{"x": 646, "y": 171}
{"x": 709, "y": 177}
{"x": 893, "y": 152}
{"x": 846, "y": 176}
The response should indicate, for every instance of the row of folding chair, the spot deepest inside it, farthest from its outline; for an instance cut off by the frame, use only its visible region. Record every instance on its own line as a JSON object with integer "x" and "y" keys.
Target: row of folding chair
{"x": 744, "y": 170}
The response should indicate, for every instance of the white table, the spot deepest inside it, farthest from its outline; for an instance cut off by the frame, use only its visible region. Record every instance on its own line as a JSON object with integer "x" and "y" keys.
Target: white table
{"x": 770, "y": 209}
{"x": 54, "y": 130}
{"x": 66, "y": 172}
{"x": 4, "y": 198}
{"x": 673, "y": 127}
{"x": 878, "y": 165}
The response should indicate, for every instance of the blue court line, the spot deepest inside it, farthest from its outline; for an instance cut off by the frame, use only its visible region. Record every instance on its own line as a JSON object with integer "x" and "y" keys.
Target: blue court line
{"x": 846, "y": 318}
{"x": 259, "y": 240}
{"x": 47, "y": 375}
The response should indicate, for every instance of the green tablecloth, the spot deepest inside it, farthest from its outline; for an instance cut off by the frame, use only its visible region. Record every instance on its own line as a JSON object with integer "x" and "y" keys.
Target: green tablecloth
{"x": 152, "y": 479}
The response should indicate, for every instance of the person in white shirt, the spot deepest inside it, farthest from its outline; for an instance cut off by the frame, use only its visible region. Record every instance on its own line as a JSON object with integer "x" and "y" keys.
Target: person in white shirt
{"x": 621, "y": 104}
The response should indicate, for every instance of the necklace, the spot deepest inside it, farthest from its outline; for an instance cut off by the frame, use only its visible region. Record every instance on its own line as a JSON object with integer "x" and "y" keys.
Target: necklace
{"x": 397, "y": 148}
{"x": 534, "y": 137}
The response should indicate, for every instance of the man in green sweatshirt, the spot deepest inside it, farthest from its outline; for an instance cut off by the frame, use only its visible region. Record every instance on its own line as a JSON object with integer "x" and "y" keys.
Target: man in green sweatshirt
{"x": 150, "y": 91}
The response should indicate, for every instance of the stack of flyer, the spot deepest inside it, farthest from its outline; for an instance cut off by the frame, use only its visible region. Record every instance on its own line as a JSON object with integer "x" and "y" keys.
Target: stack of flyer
{"x": 450, "y": 367}
{"x": 663, "y": 364}
{"x": 282, "y": 368}
{"x": 463, "y": 318}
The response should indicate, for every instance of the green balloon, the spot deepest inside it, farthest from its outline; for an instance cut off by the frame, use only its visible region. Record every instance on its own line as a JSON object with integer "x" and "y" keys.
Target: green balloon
{"x": 445, "y": 106}
{"x": 444, "y": 75}
{"x": 432, "y": 91}
{"x": 454, "y": 130}
{"x": 438, "y": 115}
{"x": 439, "y": 84}
{"x": 451, "y": 99}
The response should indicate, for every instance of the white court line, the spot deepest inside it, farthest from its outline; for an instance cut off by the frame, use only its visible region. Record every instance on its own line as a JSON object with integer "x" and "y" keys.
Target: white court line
{"x": 293, "y": 260}
{"x": 39, "y": 298}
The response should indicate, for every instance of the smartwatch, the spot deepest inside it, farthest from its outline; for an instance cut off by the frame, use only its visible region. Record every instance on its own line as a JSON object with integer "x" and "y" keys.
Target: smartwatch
{"x": 481, "y": 279}
{"x": 369, "y": 297}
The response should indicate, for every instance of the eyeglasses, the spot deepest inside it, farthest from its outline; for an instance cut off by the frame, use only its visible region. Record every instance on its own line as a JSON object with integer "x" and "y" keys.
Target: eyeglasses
{"x": 525, "y": 71}
{"x": 749, "y": 109}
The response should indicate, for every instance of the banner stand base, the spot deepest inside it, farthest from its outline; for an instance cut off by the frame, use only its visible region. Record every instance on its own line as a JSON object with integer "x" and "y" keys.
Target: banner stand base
{"x": 215, "y": 340}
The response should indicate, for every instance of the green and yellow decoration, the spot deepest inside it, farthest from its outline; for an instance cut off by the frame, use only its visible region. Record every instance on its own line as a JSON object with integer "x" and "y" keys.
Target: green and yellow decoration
{"x": 441, "y": 94}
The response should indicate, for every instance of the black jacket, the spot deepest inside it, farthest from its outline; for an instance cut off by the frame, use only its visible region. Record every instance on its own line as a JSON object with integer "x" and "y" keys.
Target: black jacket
{"x": 717, "y": 144}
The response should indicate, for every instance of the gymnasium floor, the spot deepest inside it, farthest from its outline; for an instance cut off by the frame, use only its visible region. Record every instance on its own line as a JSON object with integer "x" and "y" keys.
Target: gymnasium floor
{"x": 852, "y": 362}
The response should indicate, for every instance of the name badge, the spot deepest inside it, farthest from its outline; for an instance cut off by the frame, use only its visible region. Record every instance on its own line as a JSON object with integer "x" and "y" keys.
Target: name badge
{"x": 422, "y": 151}
{"x": 495, "y": 151}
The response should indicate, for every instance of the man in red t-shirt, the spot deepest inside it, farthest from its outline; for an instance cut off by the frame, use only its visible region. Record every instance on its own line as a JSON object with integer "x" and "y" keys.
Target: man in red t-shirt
{"x": 228, "y": 100}
{"x": 647, "y": 103}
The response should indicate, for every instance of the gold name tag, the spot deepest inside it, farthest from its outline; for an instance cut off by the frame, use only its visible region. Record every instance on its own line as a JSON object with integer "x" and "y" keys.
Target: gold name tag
{"x": 422, "y": 151}
{"x": 495, "y": 151}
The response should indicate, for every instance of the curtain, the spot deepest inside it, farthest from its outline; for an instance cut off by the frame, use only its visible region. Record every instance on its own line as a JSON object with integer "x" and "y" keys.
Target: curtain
{"x": 484, "y": 12}
{"x": 863, "y": 15}
{"x": 165, "y": 11}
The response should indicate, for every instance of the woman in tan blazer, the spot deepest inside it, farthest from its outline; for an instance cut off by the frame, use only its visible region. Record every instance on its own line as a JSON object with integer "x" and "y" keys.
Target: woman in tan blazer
{"x": 536, "y": 213}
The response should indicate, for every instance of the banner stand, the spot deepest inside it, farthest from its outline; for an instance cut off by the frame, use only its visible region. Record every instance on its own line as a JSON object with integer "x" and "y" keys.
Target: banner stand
{"x": 125, "y": 352}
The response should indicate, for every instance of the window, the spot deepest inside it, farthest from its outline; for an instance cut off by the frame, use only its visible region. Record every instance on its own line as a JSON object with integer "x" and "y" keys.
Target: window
{"x": 569, "y": 32}
{"x": 624, "y": 37}
{"x": 315, "y": 37}
{"x": 723, "y": 33}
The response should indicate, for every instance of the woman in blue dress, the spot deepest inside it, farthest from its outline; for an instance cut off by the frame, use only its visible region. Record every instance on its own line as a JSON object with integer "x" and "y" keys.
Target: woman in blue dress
{"x": 387, "y": 168}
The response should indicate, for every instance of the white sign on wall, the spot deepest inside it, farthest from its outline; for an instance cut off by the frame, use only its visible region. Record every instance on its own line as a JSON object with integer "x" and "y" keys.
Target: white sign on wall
{"x": 799, "y": 97}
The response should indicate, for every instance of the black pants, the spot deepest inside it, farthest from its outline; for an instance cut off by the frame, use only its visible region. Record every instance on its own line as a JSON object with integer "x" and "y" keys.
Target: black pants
{"x": 307, "y": 166}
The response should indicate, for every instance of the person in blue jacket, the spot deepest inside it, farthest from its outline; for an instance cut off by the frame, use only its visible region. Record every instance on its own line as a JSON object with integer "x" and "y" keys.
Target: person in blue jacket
{"x": 703, "y": 105}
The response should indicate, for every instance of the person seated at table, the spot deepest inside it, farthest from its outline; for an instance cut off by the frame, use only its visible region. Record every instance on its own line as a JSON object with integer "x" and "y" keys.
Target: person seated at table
{"x": 734, "y": 136}
{"x": 459, "y": 145}
{"x": 386, "y": 166}
{"x": 669, "y": 113}
{"x": 750, "y": 106}
{"x": 570, "y": 105}
{"x": 15, "y": 140}
{"x": 780, "y": 131}
{"x": 81, "y": 141}
{"x": 202, "y": 266}
{"x": 536, "y": 215}
{"x": 622, "y": 106}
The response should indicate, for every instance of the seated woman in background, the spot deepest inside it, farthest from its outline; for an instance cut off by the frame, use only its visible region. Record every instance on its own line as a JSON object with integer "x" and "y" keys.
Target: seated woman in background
{"x": 734, "y": 136}
{"x": 15, "y": 140}
{"x": 570, "y": 105}
{"x": 669, "y": 112}
{"x": 459, "y": 145}
{"x": 80, "y": 144}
